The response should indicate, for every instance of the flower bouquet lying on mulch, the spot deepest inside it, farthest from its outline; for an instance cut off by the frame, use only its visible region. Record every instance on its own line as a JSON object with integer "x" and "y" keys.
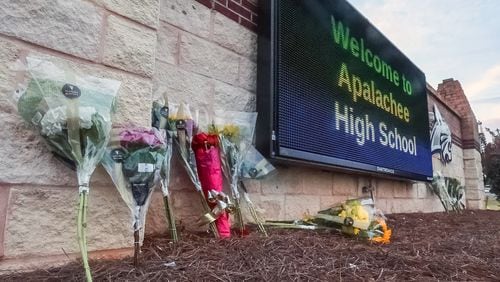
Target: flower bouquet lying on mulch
{"x": 72, "y": 112}
{"x": 356, "y": 217}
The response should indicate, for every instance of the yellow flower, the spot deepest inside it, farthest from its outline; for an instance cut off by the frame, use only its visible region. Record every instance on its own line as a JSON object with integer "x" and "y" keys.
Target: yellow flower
{"x": 361, "y": 213}
{"x": 231, "y": 131}
{"x": 356, "y": 231}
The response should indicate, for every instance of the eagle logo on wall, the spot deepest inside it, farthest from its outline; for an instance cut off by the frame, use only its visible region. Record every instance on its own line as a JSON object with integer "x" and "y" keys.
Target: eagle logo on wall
{"x": 441, "y": 137}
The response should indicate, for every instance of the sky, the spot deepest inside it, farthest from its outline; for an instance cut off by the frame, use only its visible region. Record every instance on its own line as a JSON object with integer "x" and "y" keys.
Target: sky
{"x": 457, "y": 39}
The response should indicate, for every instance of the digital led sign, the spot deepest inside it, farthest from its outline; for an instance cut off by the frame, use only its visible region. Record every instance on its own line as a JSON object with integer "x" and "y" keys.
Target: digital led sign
{"x": 334, "y": 91}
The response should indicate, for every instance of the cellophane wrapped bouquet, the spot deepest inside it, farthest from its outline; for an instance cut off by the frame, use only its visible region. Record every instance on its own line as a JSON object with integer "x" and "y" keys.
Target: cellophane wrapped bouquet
{"x": 192, "y": 147}
{"x": 355, "y": 217}
{"x": 71, "y": 111}
{"x": 134, "y": 160}
{"x": 159, "y": 117}
{"x": 235, "y": 131}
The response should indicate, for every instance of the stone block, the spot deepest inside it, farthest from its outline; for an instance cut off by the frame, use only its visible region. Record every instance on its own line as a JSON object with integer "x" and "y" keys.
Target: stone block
{"x": 132, "y": 90}
{"x": 146, "y": 12}
{"x": 432, "y": 204}
{"x": 329, "y": 201}
{"x": 129, "y": 47}
{"x": 317, "y": 182}
{"x": 287, "y": 181}
{"x": 366, "y": 182}
{"x": 183, "y": 86}
{"x": 268, "y": 207}
{"x": 4, "y": 204}
{"x": 190, "y": 16}
{"x": 179, "y": 179}
{"x": 298, "y": 205}
{"x": 403, "y": 205}
{"x": 404, "y": 189}
{"x": 235, "y": 37}
{"x": 187, "y": 203}
{"x": 233, "y": 98}
{"x": 26, "y": 158}
{"x": 385, "y": 188}
{"x": 206, "y": 58}
{"x": 247, "y": 75}
{"x": 42, "y": 221}
{"x": 422, "y": 190}
{"x": 475, "y": 204}
{"x": 9, "y": 53}
{"x": 168, "y": 42}
{"x": 72, "y": 27}
{"x": 156, "y": 220}
{"x": 253, "y": 186}
{"x": 344, "y": 185}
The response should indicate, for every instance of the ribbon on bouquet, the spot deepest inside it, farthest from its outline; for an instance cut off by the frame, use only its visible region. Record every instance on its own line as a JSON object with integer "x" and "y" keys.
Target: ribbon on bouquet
{"x": 222, "y": 204}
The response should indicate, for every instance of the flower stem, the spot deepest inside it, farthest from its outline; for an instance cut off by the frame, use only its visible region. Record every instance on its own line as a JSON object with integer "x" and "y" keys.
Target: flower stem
{"x": 239, "y": 216}
{"x": 137, "y": 248}
{"x": 81, "y": 231}
{"x": 171, "y": 219}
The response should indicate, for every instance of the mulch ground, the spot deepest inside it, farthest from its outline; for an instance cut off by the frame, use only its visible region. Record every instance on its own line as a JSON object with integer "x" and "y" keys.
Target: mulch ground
{"x": 424, "y": 247}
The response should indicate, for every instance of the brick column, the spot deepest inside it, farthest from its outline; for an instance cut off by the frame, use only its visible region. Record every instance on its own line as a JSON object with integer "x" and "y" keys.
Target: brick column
{"x": 452, "y": 93}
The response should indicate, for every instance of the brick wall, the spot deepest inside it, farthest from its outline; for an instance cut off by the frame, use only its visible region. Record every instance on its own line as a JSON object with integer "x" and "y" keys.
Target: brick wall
{"x": 243, "y": 12}
{"x": 453, "y": 94}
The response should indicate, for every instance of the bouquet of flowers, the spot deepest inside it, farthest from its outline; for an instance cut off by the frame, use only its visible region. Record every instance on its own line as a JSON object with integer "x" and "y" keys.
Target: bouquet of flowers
{"x": 254, "y": 166}
{"x": 356, "y": 217}
{"x": 160, "y": 115}
{"x": 182, "y": 127}
{"x": 235, "y": 130}
{"x": 208, "y": 165}
{"x": 72, "y": 112}
{"x": 450, "y": 192}
{"x": 134, "y": 160}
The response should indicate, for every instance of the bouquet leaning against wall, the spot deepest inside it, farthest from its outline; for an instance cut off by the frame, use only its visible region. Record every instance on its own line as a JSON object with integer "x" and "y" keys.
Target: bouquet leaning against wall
{"x": 182, "y": 127}
{"x": 134, "y": 160}
{"x": 235, "y": 131}
{"x": 159, "y": 119}
{"x": 72, "y": 113}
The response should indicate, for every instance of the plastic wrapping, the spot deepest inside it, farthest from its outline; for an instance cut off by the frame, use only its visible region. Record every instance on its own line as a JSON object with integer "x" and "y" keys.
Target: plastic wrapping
{"x": 183, "y": 127}
{"x": 159, "y": 117}
{"x": 255, "y": 166}
{"x": 72, "y": 112}
{"x": 450, "y": 192}
{"x": 134, "y": 159}
{"x": 236, "y": 134}
{"x": 235, "y": 130}
{"x": 355, "y": 217}
{"x": 208, "y": 163}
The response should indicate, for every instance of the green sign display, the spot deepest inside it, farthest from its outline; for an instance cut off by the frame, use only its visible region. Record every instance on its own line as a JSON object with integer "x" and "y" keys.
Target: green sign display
{"x": 339, "y": 93}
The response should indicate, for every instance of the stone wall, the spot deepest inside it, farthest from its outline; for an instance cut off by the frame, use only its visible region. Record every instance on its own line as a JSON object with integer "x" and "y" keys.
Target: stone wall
{"x": 107, "y": 38}
{"x": 201, "y": 52}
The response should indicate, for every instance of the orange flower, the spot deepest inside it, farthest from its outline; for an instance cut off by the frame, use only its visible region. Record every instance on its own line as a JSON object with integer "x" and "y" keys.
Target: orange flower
{"x": 385, "y": 238}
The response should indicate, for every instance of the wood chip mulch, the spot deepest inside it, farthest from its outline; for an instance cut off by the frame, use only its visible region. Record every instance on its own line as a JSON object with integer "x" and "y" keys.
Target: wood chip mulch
{"x": 424, "y": 247}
